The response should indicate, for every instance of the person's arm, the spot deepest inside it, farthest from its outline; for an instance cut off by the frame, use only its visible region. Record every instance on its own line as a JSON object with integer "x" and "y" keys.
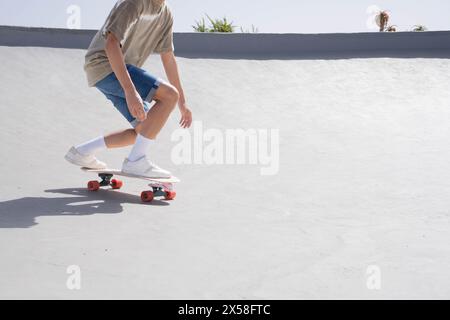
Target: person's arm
{"x": 173, "y": 75}
{"x": 117, "y": 61}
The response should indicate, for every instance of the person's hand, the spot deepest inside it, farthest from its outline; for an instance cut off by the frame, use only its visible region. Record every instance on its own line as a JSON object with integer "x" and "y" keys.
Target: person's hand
{"x": 186, "y": 117}
{"x": 135, "y": 105}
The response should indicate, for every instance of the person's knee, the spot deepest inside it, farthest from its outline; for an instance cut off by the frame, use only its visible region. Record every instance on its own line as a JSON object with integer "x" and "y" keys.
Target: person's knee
{"x": 168, "y": 94}
{"x": 173, "y": 95}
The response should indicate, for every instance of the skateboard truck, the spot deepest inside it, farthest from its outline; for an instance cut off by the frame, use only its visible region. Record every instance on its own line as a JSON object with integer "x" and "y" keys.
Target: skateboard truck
{"x": 106, "y": 179}
{"x": 159, "y": 190}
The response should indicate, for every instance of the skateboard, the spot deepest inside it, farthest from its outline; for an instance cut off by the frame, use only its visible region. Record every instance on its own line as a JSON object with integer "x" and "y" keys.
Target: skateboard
{"x": 160, "y": 187}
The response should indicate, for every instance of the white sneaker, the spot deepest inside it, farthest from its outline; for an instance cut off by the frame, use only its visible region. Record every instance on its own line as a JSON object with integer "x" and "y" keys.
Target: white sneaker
{"x": 78, "y": 159}
{"x": 144, "y": 168}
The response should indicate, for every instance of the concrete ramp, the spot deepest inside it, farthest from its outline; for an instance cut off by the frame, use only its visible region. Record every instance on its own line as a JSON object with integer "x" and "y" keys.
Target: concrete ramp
{"x": 343, "y": 190}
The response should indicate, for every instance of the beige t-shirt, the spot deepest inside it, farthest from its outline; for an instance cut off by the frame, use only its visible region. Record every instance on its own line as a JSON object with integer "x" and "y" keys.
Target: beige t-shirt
{"x": 143, "y": 27}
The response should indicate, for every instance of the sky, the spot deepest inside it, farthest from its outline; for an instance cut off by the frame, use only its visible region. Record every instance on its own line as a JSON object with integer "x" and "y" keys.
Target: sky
{"x": 269, "y": 16}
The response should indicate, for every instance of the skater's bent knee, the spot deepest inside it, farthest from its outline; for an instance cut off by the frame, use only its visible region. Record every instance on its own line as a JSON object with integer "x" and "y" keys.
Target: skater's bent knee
{"x": 172, "y": 96}
{"x": 167, "y": 93}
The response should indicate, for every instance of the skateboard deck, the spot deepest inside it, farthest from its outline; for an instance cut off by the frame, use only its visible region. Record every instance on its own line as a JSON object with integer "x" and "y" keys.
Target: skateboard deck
{"x": 160, "y": 187}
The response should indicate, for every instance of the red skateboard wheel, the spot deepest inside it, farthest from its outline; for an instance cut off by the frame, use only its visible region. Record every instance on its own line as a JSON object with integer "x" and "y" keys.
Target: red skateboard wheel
{"x": 93, "y": 185}
{"x": 170, "y": 195}
{"x": 147, "y": 196}
{"x": 116, "y": 184}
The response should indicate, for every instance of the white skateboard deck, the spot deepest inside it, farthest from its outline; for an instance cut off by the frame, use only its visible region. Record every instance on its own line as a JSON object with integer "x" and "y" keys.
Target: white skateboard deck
{"x": 121, "y": 174}
{"x": 160, "y": 187}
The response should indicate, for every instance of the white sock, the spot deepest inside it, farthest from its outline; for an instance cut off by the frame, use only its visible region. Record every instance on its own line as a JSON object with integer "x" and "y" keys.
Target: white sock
{"x": 140, "y": 148}
{"x": 92, "y": 146}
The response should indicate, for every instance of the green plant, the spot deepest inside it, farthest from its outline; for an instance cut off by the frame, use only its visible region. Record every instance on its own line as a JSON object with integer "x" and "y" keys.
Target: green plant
{"x": 216, "y": 25}
{"x": 200, "y": 26}
{"x": 221, "y": 25}
{"x": 419, "y": 28}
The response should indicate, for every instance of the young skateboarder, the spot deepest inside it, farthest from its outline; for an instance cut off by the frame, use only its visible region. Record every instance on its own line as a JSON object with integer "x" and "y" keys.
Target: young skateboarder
{"x": 133, "y": 30}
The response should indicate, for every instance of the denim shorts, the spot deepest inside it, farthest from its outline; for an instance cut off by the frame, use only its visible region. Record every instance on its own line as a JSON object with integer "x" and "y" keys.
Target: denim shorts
{"x": 146, "y": 85}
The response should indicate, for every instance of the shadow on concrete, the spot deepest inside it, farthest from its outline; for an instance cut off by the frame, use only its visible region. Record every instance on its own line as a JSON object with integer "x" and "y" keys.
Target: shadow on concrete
{"x": 22, "y": 213}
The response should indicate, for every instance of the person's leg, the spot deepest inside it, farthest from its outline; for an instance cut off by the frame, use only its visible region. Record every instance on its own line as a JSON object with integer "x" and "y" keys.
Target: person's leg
{"x": 120, "y": 139}
{"x": 137, "y": 163}
{"x": 148, "y": 86}
{"x": 84, "y": 154}
{"x": 117, "y": 139}
{"x": 166, "y": 97}
{"x": 91, "y": 147}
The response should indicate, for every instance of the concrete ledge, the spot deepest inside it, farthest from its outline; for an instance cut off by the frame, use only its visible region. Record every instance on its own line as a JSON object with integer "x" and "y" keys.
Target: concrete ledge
{"x": 259, "y": 46}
